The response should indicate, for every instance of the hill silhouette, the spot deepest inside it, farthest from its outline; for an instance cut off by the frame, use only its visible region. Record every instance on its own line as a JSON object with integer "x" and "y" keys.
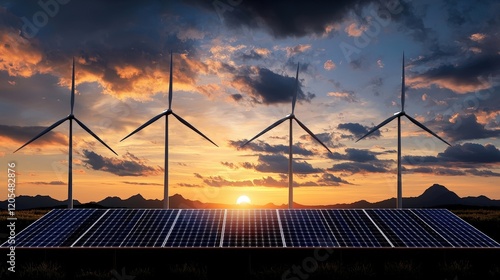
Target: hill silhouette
{"x": 435, "y": 196}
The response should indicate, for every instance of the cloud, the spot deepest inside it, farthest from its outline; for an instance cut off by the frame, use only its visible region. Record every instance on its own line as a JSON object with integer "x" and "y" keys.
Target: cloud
{"x": 360, "y": 167}
{"x": 267, "y": 87}
{"x": 51, "y": 183}
{"x": 329, "y": 65}
{"x": 130, "y": 165}
{"x": 466, "y": 127}
{"x": 219, "y": 181}
{"x": 291, "y": 51}
{"x": 261, "y": 146}
{"x": 357, "y": 130}
{"x": 355, "y": 155}
{"x": 347, "y": 96}
{"x": 328, "y": 179}
{"x": 229, "y": 164}
{"x": 141, "y": 183}
{"x": 285, "y": 18}
{"x": 355, "y": 29}
{"x": 22, "y": 134}
{"x": 468, "y": 153}
{"x": 279, "y": 164}
{"x": 270, "y": 182}
{"x": 465, "y": 76}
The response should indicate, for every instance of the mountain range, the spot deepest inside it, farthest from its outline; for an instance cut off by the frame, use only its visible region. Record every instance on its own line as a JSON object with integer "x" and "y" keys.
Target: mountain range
{"x": 434, "y": 196}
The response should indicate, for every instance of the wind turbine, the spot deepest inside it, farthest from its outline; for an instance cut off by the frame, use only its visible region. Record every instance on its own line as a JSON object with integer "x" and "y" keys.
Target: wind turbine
{"x": 290, "y": 117}
{"x": 166, "y": 113}
{"x": 398, "y": 115}
{"x": 69, "y": 118}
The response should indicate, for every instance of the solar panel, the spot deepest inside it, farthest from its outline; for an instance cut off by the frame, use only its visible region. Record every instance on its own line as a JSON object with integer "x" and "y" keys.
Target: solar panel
{"x": 110, "y": 229}
{"x": 151, "y": 230}
{"x": 196, "y": 228}
{"x": 251, "y": 228}
{"x": 404, "y": 229}
{"x": 56, "y": 227}
{"x": 456, "y": 231}
{"x": 353, "y": 228}
{"x": 306, "y": 228}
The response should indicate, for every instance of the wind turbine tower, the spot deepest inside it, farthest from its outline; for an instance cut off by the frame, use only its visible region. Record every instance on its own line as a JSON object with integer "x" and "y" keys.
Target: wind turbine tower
{"x": 398, "y": 115}
{"x": 290, "y": 117}
{"x": 166, "y": 113}
{"x": 69, "y": 118}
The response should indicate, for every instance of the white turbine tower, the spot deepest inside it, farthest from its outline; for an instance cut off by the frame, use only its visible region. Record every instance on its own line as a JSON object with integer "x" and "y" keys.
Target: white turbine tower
{"x": 166, "y": 113}
{"x": 398, "y": 115}
{"x": 290, "y": 117}
{"x": 70, "y": 117}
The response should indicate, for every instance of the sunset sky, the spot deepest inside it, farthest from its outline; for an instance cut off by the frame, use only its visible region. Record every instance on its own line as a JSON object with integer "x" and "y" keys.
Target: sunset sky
{"x": 234, "y": 71}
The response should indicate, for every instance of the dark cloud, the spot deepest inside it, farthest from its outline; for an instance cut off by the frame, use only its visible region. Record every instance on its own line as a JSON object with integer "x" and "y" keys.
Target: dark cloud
{"x": 468, "y": 153}
{"x": 267, "y": 87}
{"x": 128, "y": 166}
{"x": 187, "y": 185}
{"x": 261, "y": 146}
{"x": 229, "y": 164}
{"x": 357, "y": 130}
{"x": 22, "y": 134}
{"x": 328, "y": 179}
{"x": 253, "y": 55}
{"x": 219, "y": 181}
{"x": 360, "y": 167}
{"x": 236, "y": 97}
{"x": 279, "y": 164}
{"x": 466, "y": 127}
{"x": 355, "y": 155}
{"x": 270, "y": 182}
{"x": 281, "y": 19}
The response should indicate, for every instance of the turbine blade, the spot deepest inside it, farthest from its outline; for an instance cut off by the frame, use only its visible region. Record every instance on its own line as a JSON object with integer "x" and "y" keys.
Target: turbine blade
{"x": 379, "y": 126}
{"x": 73, "y": 87}
{"x": 93, "y": 134}
{"x": 294, "y": 100}
{"x": 403, "y": 85}
{"x": 43, "y": 132}
{"x": 170, "y": 83}
{"x": 312, "y": 134}
{"x": 425, "y": 128}
{"x": 145, "y": 124}
{"x": 192, "y": 127}
{"x": 266, "y": 130}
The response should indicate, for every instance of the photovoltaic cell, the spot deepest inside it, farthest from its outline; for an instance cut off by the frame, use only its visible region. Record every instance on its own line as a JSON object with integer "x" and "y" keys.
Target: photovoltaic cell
{"x": 151, "y": 230}
{"x": 110, "y": 229}
{"x": 55, "y": 228}
{"x": 196, "y": 228}
{"x": 455, "y": 230}
{"x": 405, "y": 229}
{"x": 354, "y": 229}
{"x": 306, "y": 228}
{"x": 251, "y": 228}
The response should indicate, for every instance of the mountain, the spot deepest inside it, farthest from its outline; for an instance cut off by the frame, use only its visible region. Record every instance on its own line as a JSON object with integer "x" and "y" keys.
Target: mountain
{"x": 434, "y": 196}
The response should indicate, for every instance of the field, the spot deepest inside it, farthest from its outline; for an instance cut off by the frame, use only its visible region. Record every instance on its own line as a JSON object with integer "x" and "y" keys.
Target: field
{"x": 258, "y": 264}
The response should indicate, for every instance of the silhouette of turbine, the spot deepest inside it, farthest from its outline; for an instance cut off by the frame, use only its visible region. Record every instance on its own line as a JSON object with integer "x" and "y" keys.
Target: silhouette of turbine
{"x": 69, "y": 118}
{"x": 398, "y": 115}
{"x": 290, "y": 117}
{"x": 166, "y": 113}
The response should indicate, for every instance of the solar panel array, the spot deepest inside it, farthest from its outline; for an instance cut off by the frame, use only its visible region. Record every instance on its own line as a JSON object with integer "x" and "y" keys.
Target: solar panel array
{"x": 252, "y": 228}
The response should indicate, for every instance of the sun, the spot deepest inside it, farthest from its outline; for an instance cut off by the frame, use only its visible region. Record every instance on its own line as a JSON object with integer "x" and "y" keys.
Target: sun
{"x": 243, "y": 199}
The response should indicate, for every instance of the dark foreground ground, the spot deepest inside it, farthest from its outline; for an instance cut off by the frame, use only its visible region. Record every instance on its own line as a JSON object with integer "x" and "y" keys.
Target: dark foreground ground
{"x": 258, "y": 263}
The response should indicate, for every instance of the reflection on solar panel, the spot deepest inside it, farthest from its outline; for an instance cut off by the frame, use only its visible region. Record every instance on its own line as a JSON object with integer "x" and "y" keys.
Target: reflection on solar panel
{"x": 252, "y": 228}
